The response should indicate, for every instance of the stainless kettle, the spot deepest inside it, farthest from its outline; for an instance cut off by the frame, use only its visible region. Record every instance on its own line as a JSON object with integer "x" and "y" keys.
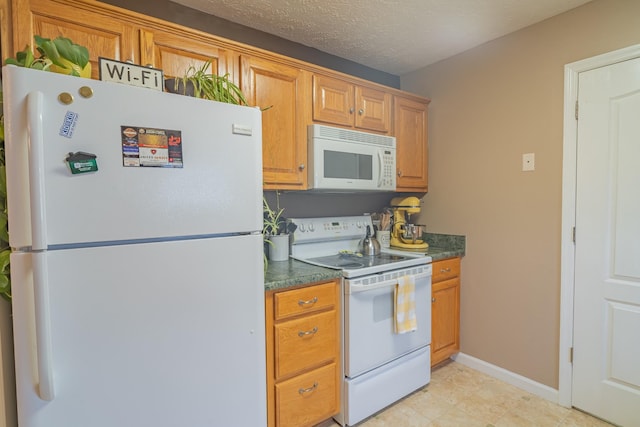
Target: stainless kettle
{"x": 369, "y": 246}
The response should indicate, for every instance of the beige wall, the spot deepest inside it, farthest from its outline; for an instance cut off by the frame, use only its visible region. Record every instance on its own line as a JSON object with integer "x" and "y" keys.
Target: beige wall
{"x": 489, "y": 106}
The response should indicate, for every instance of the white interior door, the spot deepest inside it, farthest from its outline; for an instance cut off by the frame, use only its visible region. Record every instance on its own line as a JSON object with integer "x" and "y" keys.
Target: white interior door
{"x": 606, "y": 363}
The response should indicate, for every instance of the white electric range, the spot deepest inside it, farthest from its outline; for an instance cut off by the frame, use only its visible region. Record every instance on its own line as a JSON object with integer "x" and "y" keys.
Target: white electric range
{"x": 380, "y": 366}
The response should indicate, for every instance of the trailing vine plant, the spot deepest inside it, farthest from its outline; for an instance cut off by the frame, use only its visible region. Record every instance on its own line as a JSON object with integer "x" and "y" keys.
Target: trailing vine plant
{"x": 5, "y": 250}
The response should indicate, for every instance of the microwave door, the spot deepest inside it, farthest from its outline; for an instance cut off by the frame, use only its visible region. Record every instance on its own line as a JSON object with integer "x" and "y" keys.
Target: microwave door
{"x": 339, "y": 165}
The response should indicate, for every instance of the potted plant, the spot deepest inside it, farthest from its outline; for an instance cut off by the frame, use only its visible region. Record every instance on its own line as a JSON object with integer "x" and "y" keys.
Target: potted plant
{"x": 275, "y": 232}
{"x": 199, "y": 83}
{"x": 5, "y": 250}
{"x": 59, "y": 55}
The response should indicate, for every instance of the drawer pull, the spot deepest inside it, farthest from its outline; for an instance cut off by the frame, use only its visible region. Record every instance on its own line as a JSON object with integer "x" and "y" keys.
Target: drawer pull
{"x": 309, "y": 302}
{"x": 308, "y": 390}
{"x": 305, "y": 333}
{"x": 445, "y": 270}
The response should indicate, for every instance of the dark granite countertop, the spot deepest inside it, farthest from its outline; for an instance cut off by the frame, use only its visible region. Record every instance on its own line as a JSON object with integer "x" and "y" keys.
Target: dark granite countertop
{"x": 285, "y": 274}
{"x": 442, "y": 246}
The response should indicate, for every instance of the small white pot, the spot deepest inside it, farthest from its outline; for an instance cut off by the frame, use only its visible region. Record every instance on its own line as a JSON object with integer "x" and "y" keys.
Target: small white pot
{"x": 279, "y": 247}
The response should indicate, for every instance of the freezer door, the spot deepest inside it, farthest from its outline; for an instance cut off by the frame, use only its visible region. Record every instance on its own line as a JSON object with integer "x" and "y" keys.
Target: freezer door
{"x": 155, "y": 334}
{"x": 202, "y": 174}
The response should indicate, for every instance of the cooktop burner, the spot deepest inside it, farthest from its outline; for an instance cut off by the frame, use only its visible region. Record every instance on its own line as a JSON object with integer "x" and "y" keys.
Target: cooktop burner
{"x": 356, "y": 261}
{"x": 334, "y": 243}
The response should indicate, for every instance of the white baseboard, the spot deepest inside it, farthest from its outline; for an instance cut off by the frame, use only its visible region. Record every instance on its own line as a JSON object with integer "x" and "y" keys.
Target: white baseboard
{"x": 508, "y": 377}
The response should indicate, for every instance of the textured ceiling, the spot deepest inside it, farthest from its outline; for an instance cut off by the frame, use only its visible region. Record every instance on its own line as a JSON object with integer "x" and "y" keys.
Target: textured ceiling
{"x": 395, "y": 36}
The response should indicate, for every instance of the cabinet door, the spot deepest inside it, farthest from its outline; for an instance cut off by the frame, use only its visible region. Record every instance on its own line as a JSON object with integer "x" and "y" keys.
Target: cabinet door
{"x": 342, "y": 103}
{"x": 445, "y": 320}
{"x": 410, "y": 127}
{"x": 373, "y": 109}
{"x": 284, "y": 91}
{"x": 175, "y": 53}
{"x": 333, "y": 101}
{"x": 100, "y": 31}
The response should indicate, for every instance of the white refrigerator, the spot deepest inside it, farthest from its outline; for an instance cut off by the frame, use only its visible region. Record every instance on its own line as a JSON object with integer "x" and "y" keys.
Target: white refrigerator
{"x": 135, "y": 219}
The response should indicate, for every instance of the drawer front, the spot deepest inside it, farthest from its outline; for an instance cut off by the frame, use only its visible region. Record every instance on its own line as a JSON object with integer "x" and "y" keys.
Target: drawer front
{"x": 445, "y": 269}
{"x": 304, "y": 300}
{"x": 307, "y": 399}
{"x": 305, "y": 342}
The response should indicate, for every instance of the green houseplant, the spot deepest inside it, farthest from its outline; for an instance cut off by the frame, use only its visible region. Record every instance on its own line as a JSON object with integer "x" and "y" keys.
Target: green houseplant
{"x": 5, "y": 250}
{"x": 59, "y": 55}
{"x": 275, "y": 233}
{"x": 202, "y": 84}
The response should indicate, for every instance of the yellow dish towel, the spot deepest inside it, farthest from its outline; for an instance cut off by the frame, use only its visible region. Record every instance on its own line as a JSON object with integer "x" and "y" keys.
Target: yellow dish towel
{"x": 404, "y": 308}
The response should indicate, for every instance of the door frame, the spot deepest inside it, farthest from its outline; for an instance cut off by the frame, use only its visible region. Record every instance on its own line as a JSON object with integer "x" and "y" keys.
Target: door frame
{"x": 569, "y": 169}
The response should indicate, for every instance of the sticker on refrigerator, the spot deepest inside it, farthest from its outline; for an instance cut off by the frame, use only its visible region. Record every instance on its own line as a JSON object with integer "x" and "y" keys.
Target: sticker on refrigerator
{"x": 69, "y": 124}
{"x": 151, "y": 147}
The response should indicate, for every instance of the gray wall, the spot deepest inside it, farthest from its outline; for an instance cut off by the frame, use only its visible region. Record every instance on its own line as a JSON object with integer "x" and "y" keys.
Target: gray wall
{"x": 489, "y": 106}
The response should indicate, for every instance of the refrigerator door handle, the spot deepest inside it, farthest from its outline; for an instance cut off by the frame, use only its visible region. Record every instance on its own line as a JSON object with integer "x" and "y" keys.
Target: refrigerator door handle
{"x": 35, "y": 129}
{"x": 43, "y": 326}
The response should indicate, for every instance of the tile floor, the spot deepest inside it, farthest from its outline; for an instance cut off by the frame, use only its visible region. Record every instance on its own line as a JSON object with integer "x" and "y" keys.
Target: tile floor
{"x": 459, "y": 396}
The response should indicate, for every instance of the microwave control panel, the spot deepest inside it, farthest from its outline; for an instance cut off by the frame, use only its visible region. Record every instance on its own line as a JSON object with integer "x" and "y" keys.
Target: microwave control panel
{"x": 388, "y": 178}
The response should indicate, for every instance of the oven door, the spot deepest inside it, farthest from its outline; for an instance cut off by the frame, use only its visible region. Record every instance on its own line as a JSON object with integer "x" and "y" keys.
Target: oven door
{"x": 370, "y": 340}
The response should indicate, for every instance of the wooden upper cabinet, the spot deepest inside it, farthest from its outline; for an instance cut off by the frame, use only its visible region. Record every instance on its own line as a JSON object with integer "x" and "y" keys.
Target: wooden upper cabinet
{"x": 410, "y": 129}
{"x": 343, "y": 103}
{"x": 282, "y": 90}
{"x": 101, "y": 33}
{"x": 175, "y": 53}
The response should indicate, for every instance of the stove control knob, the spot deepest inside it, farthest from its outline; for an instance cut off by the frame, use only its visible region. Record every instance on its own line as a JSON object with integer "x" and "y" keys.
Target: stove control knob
{"x": 301, "y": 227}
{"x": 311, "y": 227}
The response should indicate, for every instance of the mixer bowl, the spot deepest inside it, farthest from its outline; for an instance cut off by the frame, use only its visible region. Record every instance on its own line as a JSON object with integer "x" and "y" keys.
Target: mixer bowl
{"x": 411, "y": 233}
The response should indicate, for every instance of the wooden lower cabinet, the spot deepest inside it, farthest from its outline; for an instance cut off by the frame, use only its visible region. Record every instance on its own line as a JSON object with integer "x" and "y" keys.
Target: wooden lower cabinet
{"x": 303, "y": 354}
{"x": 445, "y": 310}
{"x": 307, "y": 399}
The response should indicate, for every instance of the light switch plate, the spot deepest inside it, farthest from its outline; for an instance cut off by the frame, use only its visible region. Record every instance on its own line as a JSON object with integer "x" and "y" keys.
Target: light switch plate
{"x": 528, "y": 162}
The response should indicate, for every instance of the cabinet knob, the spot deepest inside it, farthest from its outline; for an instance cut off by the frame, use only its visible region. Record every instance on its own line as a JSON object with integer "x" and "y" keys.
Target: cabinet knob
{"x": 301, "y": 167}
{"x": 361, "y": 111}
{"x": 399, "y": 172}
{"x": 302, "y": 303}
{"x": 351, "y": 110}
{"x": 433, "y": 299}
{"x": 308, "y": 390}
{"x": 305, "y": 333}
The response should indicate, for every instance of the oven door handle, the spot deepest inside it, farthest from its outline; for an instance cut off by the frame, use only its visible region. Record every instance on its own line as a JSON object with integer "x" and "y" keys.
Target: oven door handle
{"x": 357, "y": 287}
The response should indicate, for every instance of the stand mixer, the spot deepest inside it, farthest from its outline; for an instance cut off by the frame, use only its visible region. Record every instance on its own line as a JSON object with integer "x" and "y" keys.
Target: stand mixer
{"x": 403, "y": 234}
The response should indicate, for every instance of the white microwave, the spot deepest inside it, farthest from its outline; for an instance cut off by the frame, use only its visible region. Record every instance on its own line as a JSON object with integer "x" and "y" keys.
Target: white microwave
{"x": 348, "y": 160}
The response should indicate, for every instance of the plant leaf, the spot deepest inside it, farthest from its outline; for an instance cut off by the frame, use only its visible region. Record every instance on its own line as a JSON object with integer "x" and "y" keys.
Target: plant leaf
{"x": 62, "y": 52}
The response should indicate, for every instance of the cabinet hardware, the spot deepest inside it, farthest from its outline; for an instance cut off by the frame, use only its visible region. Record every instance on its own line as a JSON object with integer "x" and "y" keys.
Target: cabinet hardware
{"x": 310, "y": 389}
{"x": 351, "y": 110}
{"x": 433, "y": 299}
{"x": 361, "y": 111}
{"x": 399, "y": 173}
{"x": 305, "y": 333}
{"x": 445, "y": 270}
{"x": 301, "y": 167}
{"x": 308, "y": 302}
